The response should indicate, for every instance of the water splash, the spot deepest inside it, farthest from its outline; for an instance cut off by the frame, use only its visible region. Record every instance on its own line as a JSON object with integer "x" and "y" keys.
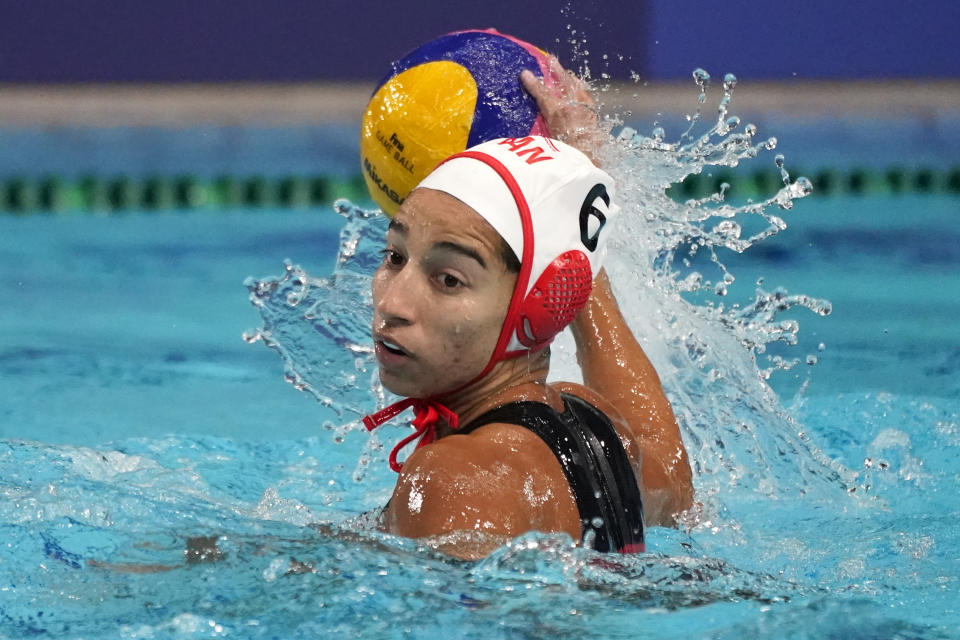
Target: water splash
{"x": 321, "y": 326}
{"x": 667, "y": 268}
{"x": 712, "y": 352}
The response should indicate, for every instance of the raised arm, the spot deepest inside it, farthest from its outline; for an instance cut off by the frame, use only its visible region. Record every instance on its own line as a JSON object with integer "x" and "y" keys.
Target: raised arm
{"x": 615, "y": 366}
{"x": 613, "y": 363}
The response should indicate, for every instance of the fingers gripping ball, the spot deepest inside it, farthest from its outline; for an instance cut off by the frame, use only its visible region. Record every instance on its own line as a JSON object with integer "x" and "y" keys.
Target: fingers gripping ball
{"x": 445, "y": 96}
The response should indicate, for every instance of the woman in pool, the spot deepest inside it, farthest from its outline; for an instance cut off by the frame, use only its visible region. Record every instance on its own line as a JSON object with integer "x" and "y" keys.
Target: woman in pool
{"x": 490, "y": 257}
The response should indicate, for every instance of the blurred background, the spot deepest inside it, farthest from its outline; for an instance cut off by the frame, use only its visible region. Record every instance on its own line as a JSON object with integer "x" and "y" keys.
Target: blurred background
{"x": 212, "y": 75}
{"x": 177, "y": 41}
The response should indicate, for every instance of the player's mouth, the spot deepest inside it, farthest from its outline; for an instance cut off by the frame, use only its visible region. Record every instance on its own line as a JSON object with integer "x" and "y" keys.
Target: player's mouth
{"x": 389, "y": 352}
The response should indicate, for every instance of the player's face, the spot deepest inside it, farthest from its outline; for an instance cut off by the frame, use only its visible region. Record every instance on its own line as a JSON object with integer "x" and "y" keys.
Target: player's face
{"x": 440, "y": 296}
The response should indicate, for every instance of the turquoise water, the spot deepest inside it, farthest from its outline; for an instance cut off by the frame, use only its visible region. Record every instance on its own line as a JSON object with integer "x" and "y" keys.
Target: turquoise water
{"x": 133, "y": 416}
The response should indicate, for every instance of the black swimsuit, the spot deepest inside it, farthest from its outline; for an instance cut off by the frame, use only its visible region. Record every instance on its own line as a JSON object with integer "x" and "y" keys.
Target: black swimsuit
{"x": 594, "y": 462}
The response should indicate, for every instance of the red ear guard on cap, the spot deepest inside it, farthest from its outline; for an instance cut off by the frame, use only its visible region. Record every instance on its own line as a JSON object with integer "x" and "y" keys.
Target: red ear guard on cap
{"x": 558, "y": 294}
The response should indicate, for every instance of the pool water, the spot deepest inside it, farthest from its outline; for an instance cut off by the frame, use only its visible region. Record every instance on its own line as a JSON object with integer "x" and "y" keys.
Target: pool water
{"x": 133, "y": 416}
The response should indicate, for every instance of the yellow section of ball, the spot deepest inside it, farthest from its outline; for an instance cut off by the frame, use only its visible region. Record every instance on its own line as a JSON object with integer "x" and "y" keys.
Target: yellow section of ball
{"x": 417, "y": 119}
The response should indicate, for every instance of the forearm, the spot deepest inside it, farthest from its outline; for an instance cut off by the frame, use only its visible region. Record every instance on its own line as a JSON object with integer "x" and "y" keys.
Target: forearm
{"x": 615, "y": 366}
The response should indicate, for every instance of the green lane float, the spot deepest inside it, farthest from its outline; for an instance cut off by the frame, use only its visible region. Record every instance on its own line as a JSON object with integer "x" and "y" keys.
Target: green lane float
{"x": 115, "y": 194}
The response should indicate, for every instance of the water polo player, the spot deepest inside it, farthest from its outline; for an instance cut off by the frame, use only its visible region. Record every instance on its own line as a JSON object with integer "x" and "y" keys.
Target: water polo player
{"x": 494, "y": 253}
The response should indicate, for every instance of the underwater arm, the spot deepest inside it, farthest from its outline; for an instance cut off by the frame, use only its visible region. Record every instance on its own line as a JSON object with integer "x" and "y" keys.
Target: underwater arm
{"x": 199, "y": 549}
{"x": 615, "y": 366}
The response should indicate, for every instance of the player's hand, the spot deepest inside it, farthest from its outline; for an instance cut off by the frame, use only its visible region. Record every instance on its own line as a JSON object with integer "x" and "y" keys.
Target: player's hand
{"x": 568, "y": 109}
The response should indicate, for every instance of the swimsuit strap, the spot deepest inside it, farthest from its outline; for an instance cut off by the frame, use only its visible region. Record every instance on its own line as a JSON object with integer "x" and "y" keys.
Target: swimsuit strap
{"x": 594, "y": 462}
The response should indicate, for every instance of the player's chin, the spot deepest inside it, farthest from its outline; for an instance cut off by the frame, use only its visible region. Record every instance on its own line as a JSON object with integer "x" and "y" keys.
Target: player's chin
{"x": 412, "y": 386}
{"x": 402, "y": 384}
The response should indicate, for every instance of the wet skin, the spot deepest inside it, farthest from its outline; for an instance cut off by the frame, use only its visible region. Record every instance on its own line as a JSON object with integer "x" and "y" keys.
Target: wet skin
{"x": 471, "y": 493}
{"x": 440, "y": 299}
{"x": 440, "y": 296}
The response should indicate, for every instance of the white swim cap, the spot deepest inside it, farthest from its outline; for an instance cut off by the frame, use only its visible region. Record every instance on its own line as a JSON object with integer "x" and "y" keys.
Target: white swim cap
{"x": 553, "y": 207}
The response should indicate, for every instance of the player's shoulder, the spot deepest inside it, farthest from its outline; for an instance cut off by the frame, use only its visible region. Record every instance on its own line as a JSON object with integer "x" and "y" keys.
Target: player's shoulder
{"x": 494, "y": 444}
{"x": 499, "y": 479}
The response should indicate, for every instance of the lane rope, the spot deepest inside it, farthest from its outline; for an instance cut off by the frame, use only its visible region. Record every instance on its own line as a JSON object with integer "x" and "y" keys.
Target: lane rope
{"x": 57, "y": 194}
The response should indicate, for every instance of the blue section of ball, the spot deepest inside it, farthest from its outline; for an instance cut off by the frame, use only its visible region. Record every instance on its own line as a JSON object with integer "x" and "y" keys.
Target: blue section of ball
{"x": 504, "y": 109}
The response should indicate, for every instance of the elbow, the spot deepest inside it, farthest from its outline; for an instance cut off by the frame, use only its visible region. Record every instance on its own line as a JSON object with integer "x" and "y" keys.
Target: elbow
{"x": 668, "y": 494}
{"x": 664, "y": 507}
{"x": 684, "y": 501}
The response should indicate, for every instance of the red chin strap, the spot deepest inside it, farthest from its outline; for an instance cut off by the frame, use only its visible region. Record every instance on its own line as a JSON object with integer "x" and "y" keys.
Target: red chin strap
{"x": 426, "y": 415}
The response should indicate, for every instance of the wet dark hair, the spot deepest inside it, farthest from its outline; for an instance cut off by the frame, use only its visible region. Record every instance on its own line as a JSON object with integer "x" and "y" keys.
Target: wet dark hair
{"x": 510, "y": 259}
